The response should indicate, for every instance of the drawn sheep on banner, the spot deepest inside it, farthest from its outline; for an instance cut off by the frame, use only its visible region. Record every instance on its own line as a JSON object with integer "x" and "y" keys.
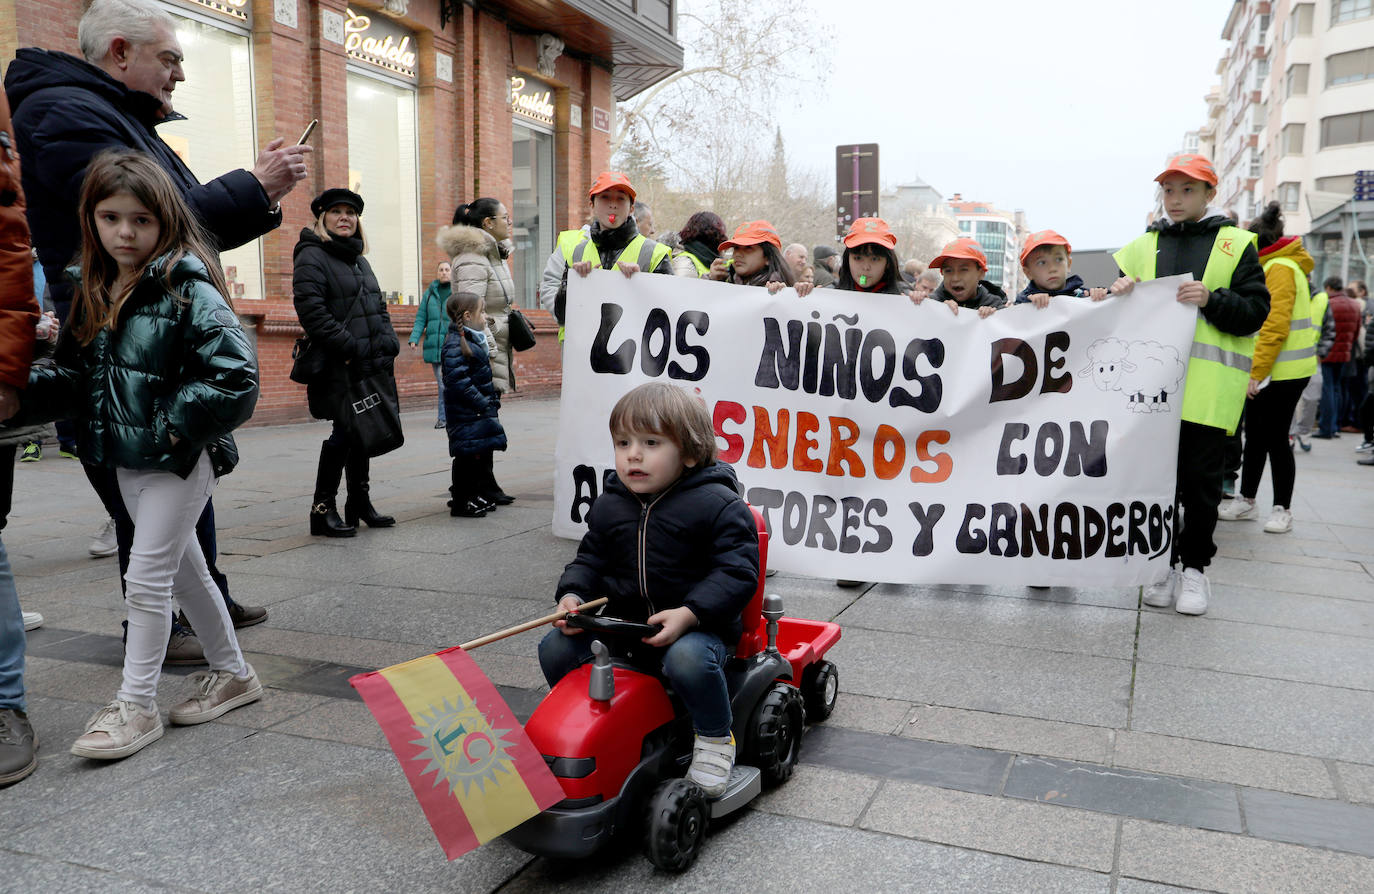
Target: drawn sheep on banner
{"x": 1147, "y": 372}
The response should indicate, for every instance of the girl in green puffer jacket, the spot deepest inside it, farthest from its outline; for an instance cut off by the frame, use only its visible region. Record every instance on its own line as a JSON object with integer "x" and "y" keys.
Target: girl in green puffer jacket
{"x": 157, "y": 371}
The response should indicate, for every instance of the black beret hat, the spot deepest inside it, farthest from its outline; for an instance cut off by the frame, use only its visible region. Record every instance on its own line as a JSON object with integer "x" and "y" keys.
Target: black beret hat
{"x": 336, "y": 196}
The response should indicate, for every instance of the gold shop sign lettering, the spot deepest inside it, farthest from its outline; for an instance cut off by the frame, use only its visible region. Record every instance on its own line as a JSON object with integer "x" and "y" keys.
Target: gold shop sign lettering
{"x": 380, "y": 43}
{"x": 236, "y": 10}
{"x": 532, "y": 99}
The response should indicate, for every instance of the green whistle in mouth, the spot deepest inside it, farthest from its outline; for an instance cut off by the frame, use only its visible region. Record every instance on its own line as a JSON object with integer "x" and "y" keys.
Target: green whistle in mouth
{"x": 863, "y": 280}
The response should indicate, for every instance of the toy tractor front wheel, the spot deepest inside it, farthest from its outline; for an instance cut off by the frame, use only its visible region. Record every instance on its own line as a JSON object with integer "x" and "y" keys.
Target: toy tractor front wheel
{"x": 676, "y": 825}
{"x": 820, "y": 690}
{"x": 775, "y": 733}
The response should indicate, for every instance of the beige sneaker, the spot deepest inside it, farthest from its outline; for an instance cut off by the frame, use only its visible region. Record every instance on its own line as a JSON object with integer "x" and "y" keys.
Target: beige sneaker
{"x": 118, "y": 730}
{"x": 217, "y": 693}
{"x": 1160, "y": 594}
{"x": 712, "y": 760}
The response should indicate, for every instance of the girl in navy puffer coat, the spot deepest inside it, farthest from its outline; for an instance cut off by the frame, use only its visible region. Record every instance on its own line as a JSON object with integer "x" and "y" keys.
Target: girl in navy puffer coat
{"x": 157, "y": 371}
{"x": 471, "y": 405}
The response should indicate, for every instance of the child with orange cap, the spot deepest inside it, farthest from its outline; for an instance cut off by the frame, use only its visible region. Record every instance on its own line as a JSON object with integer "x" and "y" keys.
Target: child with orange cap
{"x": 757, "y": 260}
{"x": 870, "y": 259}
{"x": 1229, "y": 291}
{"x": 612, "y": 241}
{"x": 962, "y": 264}
{"x": 1047, "y": 260}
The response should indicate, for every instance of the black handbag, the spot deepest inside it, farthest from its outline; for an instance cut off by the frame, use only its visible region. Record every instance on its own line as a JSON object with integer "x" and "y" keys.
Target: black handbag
{"x": 307, "y": 361}
{"x": 372, "y": 414}
{"x": 521, "y": 333}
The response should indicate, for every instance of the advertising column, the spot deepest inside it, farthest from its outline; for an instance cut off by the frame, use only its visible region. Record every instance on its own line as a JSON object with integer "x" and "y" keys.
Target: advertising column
{"x": 212, "y": 128}
{"x": 383, "y": 148}
{"x": 534, "y": 227}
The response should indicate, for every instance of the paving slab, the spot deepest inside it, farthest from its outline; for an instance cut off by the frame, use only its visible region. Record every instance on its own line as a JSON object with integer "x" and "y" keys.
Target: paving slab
{"x": 865, "y": 712}
{"x": 822, "y": 794}
{"x": 1006, "y": 732}
{"x": 994, "y": 824}
{"x": 1351, "y": 584}
{"x": 1291, "y": 611}
{"x": 1357, "y": 780}
{"x": 985, "y": 676}
{"x": 949, "y": 766}
{"x": 1216, "y": 861}
{"x": 1315, "y": 821}
{"x": 1223, "y": 763}
{"x": 1184, "y": 802}
{"x": 1254, "y": 712}
{"x": 802, "y": 855}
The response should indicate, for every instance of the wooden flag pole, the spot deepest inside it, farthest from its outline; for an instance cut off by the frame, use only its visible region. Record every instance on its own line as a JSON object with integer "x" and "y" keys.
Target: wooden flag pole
{"x": 529, "y": 625}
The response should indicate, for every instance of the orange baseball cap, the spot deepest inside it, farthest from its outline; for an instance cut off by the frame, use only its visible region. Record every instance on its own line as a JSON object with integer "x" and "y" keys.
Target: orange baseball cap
{"x": 870, "y": 229}
{"x": 1190, "y": 165}
{"x": 1043, "y": 237}
{"x": 609, "y": 180}
{"x": 753, "y": 232}
{"x": 962, "y": 248}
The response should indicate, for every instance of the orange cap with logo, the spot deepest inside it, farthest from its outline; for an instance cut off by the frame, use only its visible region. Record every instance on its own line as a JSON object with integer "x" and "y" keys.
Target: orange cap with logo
{"x": 1043, "y": 237}
{"x": 753, "y": 232}
{"x": 609, "y": 180}
{"x": 962, "y": 248}
{"x": 1189, "y": 165}
{"x": 870, "y": 230}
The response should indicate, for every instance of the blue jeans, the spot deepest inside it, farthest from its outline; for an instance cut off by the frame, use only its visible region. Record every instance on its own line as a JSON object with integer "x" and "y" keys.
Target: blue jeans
{"x": 439, "y": 377}
{"x": 1329, "y": 416}
{"x": 12, "y": 640}
{"x": 694, "y": 666}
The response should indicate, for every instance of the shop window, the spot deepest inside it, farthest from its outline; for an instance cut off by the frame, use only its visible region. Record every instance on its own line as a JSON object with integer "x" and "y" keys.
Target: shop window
{"x": 382, "y": 154}
{"x": 1341, "y": 130}
{"x": 1350, "y": 10}
{"x": 1347, "y": 68}
{"x": 1296, "y": 80}
{"x": 217, "y": 135}
{"x": 1292, "y": 138}
{"x": 533, "y": 228}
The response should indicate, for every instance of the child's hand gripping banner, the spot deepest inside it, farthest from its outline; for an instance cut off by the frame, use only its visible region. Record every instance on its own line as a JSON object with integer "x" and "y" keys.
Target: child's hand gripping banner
{"x": 472, "y": 768}
{"x": 885, "y": 441}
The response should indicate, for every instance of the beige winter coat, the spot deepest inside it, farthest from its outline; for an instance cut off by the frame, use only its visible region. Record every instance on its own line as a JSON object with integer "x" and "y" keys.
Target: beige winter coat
{"x": 478, "y": 269}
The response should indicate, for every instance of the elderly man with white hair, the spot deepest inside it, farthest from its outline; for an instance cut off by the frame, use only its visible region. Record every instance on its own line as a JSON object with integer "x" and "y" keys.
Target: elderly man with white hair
{"x": 66, "y": 111}
{"x": 795, "y": 254}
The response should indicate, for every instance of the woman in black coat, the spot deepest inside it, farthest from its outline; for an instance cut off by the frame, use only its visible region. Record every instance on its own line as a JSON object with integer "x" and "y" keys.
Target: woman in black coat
{"x": 340, "y": 307}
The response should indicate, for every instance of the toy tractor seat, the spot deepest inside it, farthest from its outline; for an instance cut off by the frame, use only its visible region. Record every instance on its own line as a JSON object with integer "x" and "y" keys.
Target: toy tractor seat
{"x": 755, "y": 637}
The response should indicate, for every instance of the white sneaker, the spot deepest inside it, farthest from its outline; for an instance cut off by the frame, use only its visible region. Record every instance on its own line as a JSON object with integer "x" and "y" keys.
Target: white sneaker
{"x": 1365, "y": 447}
{"x": 1280, "y": 521}
{"x": 118, "y": 730}
{"x": 1194, "y": 593}
{"x": 1236, "y": 508}
{"x": 1160, "y": 594}
{"x": 105, "y": 543}
{"x": 32, "y": 620}
{"x": 712, "y": 760}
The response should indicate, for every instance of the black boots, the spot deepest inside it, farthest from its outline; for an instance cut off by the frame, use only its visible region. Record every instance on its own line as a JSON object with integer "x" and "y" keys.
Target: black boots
{"x": 466, "y": 479}
{"x": 487, "y": 487}
{"x": 324, "y": 515}
{"x": 358, "y": 506}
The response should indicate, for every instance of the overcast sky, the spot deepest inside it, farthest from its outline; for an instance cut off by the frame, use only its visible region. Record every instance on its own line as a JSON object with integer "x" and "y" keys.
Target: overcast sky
{"x": 1065, "y": 109}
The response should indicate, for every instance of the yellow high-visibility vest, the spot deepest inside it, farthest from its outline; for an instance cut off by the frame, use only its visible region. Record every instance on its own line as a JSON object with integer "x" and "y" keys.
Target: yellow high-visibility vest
{"x": 1298, "y": 355}
{"x": 577, "y": 245}
{"x": 1218, "y": 364}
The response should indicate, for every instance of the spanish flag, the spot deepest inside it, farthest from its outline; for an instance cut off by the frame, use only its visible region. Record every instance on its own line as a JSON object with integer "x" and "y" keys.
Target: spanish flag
{"x": 470, "y": 764}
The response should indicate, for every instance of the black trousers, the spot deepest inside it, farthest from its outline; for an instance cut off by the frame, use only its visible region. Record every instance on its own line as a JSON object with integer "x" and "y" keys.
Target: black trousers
{"x": 467, "y": 477}
{"x": 1268, "y": 416}
{"x": 1201, "y": 466}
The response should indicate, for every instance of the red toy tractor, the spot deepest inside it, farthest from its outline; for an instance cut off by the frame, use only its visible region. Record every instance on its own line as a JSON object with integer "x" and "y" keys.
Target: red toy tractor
{"x": 620, "y": 742}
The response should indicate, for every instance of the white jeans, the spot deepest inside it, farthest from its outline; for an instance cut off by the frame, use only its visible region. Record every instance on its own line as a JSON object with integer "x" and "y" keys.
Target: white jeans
{"x": 166, "y": 557}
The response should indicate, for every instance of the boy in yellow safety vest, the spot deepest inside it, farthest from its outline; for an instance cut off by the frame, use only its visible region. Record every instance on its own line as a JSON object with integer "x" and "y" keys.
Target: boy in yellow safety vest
{"x": 612, "y": 241}
{"x": 1229, "y": 292}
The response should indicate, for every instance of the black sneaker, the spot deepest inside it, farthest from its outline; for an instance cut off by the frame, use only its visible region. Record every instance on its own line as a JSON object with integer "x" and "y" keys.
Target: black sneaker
{"x": 33, "y": 452}
{"x": 18, "y": 746}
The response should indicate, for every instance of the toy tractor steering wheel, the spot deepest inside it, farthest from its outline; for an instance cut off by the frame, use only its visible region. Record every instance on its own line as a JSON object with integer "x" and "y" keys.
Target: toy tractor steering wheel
{"x": 614, "y": 626}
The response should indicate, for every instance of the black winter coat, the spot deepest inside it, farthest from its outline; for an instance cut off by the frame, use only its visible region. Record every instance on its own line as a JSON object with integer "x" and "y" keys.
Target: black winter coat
{"x": 471, "y": 404}
{"x": 178, "y": 364}
{"x": 340, "y": 307}
{"x": 65, "y": 112}
{"x": 694, "y": 544}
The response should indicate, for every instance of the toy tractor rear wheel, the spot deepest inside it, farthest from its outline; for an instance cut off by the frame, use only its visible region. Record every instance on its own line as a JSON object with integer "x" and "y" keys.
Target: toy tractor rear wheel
{"x": 676, "y": 825}
{"x": 820, "y": 690}
{"x": 775, "y": 733}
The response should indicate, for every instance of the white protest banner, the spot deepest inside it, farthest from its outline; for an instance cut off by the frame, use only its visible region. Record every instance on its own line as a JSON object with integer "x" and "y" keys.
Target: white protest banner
{"x": 884, "y": 441}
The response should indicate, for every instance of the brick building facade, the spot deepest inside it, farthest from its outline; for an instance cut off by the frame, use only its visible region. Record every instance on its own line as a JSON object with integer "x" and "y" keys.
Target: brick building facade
{"x": 417, "y": 116}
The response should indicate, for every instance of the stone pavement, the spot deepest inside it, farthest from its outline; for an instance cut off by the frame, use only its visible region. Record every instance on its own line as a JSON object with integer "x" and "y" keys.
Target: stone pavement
{"x": 986, "y": 739}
